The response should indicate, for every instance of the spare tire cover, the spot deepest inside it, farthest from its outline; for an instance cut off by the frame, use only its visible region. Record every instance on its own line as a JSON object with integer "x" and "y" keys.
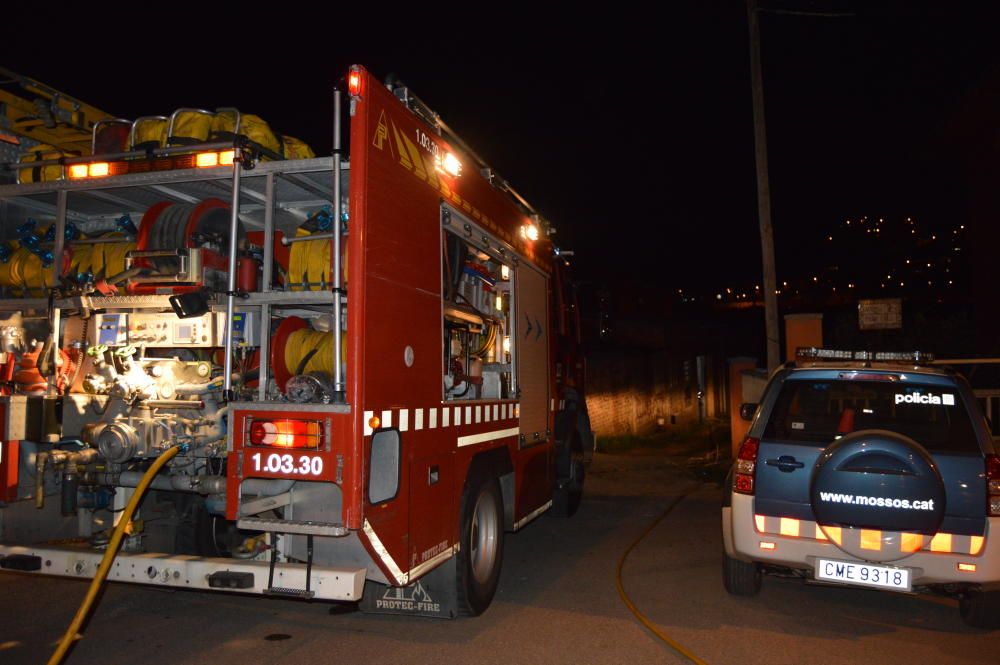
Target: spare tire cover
{"x": 878, "y": 481}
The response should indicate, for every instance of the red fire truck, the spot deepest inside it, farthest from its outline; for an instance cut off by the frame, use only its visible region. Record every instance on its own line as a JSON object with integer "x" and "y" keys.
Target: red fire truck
{"x": 369, "y": 363}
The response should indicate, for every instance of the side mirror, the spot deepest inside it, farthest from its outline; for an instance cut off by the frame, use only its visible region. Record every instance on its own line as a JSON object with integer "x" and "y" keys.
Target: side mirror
{"x": 747, "y": 410}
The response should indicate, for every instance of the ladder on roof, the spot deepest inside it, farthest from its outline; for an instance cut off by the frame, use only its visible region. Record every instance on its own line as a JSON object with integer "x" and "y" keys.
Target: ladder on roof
{"x": 32, "y": 112}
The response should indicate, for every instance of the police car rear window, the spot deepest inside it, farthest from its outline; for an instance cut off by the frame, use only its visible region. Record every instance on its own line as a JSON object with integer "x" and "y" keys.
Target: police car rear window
{"x": 821, "y": 411}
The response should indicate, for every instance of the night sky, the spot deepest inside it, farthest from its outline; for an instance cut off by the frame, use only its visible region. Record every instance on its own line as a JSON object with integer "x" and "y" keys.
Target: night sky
{"x": 633, "y": 135}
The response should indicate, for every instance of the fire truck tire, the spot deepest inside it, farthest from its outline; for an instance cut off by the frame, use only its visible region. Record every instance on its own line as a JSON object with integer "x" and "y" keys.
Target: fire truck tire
{"x": 481, "y": 551}
{"x": 741, "y": 578}
{"x": 568, "y": 491}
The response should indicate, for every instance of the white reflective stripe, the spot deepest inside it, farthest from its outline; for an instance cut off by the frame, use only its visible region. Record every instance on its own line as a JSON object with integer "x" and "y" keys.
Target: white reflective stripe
{"x": 532, "y": 515}
{"x": 458, "y": 416}
{"x": 399, "y": 575}
{"x": 367, "y": 418}
{"x": 472, "y": 439}
{"x": 486, "y": 413}
{"x": 404, "y": 420}
{"x": 468, "y": 415}
{"x": 432, "y": 562}
{"x": 434, "y": 418}
{"x": 418, "y": 419}
{"x": 479, "y": 414}
{"x": 552, "y": 404}
{"x": 496, "y": 410}
{"x": 517, "y": 410}
{"x": 445, "y": 416}
{"x": 387, "y": 419}
{"x": 503, "y": 412}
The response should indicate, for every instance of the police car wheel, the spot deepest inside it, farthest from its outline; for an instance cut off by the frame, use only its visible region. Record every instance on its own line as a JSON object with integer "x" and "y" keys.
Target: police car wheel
{"x": 481, "y": 550}
{"x": 740, "y": 578}
{"x": 980, "y": 609}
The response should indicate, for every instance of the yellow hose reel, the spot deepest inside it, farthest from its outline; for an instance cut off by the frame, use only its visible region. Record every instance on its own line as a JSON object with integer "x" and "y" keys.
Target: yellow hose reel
{"x": 298, "y": 349}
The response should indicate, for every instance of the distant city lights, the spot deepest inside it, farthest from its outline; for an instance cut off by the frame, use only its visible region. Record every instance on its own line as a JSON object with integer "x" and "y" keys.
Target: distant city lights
{"x": 861, "y": 260}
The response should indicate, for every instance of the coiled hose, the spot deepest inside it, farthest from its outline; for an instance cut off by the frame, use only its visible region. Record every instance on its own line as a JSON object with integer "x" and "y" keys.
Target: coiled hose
{"x": 109, "y": 555}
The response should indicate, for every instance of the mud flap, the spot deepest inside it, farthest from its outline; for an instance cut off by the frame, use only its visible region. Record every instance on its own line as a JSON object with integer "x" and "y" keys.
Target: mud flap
{"x": 433, "y": 595}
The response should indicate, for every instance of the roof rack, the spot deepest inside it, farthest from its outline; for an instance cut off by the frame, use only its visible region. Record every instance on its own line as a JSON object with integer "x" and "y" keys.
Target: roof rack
{"x": 817, "y": 354}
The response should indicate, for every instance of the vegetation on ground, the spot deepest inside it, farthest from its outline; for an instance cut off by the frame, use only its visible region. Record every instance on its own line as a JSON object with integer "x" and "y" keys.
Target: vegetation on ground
{"x": 703, "y": 449}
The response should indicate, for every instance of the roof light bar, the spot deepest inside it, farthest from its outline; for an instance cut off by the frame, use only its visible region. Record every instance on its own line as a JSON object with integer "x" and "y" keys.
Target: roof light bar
{"x": 92, "y": 170}
{"x": 212, "y": 159}
{"x": 813, "y": 353}
{"x": 205, "y": 160}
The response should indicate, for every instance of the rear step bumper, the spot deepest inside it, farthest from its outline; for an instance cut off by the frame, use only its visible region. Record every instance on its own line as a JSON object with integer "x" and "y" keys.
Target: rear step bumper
{"x": 187, "y": 572}
{"x": 742, "y": 541}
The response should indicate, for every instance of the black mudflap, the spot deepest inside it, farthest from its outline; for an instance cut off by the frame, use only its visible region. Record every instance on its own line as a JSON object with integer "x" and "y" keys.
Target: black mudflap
{"x": 433, "y": 595}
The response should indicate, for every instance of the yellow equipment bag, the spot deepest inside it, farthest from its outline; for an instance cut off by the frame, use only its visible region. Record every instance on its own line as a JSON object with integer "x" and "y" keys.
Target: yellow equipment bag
{"x": 191, "y": 126}
{"x": 296, "y": 149}
{"x": 251, "y": 126}
{"x": 150, "y": 132}
{"x": 41, "y": 153}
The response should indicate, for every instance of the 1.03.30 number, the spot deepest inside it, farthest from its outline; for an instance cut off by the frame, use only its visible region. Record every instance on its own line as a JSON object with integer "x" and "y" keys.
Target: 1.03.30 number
{"x": 303, "y": 465}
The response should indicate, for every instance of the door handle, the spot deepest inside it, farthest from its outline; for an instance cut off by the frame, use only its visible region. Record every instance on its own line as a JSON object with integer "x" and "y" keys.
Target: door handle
{"x": 785, "y": 463}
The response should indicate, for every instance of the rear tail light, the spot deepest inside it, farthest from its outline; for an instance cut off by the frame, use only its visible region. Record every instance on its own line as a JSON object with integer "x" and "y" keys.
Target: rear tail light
{"x": 993, "y": 485}
{"x": 746, "y": 466}
{"x": 286, "y": 433}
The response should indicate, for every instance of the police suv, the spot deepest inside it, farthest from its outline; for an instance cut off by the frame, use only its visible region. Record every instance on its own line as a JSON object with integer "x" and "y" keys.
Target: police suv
{"x": 872, "y": 470}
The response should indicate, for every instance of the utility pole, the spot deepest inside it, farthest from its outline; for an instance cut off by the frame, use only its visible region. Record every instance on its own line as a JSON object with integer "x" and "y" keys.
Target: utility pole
{"x": 763, "y": 195}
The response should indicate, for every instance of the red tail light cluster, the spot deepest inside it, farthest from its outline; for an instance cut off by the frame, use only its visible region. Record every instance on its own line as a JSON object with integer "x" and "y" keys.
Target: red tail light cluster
{"x": 993, "y": 485}
{"x": 286, "y": 433}
{"x": 746, "y": 466}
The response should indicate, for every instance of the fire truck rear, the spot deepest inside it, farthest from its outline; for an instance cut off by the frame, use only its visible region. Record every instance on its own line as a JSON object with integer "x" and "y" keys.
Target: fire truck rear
{"x": 368, "y": 363}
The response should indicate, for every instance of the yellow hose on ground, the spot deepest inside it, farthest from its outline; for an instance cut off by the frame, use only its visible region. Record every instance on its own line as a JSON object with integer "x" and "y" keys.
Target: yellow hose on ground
{"x": 673, "y": 644}
{"x": 109, "y": 555}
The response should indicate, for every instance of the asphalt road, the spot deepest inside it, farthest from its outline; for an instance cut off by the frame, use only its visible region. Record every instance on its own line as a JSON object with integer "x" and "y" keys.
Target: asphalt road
{"x": 557, "y": 603}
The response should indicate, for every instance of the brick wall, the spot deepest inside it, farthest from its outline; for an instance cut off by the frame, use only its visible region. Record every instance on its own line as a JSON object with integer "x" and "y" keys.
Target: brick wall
{"x": 629, "y": 394}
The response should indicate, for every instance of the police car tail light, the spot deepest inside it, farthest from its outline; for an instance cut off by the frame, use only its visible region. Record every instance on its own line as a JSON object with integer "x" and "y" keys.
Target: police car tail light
{"x": 746, "y": 466}
{"x": 286, "y": 433}
{"x": 993, "y": 485}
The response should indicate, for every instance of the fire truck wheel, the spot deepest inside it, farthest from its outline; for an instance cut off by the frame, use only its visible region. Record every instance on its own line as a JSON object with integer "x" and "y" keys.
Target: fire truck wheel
{"x": 481, "y": 551}
{"x": 568, "y": 491}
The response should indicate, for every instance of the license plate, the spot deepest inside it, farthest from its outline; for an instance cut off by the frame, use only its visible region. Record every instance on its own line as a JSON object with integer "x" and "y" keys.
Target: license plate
{"x": 863, "y": 574}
